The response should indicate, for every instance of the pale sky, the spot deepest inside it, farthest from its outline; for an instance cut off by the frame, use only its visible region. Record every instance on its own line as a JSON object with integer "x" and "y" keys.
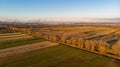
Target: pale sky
{"x": 45, "y": 9}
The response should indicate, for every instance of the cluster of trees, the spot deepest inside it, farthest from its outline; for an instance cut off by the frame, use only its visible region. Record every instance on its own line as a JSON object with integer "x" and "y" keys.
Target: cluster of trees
{"x": 22, "y": 30}
{"x": 91, "y": 45}
{"x": 116, "y": 48}
{"x": 4, "y": 29}
{"x": 98, "y": 46}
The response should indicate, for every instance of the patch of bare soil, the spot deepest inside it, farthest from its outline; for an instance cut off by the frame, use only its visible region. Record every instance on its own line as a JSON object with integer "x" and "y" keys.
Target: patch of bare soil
{"x": 26, "y": 48}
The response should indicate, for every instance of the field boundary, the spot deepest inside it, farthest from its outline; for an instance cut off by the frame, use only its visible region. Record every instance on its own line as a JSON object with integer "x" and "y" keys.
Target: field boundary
{"x": 107, "y": 55}
{"x": 26, "y": 48}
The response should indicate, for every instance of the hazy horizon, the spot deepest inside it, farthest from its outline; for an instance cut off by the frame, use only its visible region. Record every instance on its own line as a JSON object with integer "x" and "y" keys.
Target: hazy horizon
{"x": 60, "y": 10}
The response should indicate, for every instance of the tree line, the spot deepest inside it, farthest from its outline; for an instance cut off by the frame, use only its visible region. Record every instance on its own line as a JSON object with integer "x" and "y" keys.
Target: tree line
{"x": 98, "y": 46}
{"x": 90, "y": 45}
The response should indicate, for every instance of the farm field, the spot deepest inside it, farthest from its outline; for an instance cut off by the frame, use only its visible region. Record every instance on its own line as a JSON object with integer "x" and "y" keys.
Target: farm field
{"x": 86, "y": 46}
{"x": 60, "y": 56}
{"x": 13, "y": 36}
{"x": 17, "y": 39}
{"x": 25, "y": 48}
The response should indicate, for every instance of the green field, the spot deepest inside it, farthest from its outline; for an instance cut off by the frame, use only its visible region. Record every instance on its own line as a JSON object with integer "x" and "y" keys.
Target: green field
{"x": 17, "y": 39}
{"x": 56, "y": 56}
{"x": 13, "y": 43}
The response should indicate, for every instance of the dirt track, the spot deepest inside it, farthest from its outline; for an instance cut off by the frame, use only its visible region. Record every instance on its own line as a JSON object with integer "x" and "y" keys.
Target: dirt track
{"x": 26, "y": 48}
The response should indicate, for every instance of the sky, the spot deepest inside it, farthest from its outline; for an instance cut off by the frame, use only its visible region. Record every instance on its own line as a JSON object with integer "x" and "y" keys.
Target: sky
{"x": 60, "y": 8}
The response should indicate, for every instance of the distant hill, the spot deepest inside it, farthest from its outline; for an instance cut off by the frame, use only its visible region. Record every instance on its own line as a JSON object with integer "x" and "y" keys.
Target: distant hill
{"x": 68, "y": 22}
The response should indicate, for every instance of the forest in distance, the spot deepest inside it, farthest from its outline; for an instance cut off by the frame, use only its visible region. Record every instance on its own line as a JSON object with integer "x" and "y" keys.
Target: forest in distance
{"x": 102, "y": 39}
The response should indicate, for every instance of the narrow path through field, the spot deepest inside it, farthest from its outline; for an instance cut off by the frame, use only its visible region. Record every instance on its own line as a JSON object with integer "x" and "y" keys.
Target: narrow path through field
{"x": 22, "y": 49}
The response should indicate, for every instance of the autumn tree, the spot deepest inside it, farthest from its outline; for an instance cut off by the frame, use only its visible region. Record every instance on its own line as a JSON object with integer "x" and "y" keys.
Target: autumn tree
{"x": 50, "y": 37}
{"x": 36, "y": 34}
{"x": 116, "y": 48}
{"x": 63, "y": 38}
{"x": 103, "y": 47}
{"x": 54, "y": 38}
{"x": 80, "y": 43}
{"x": 68, "y": 41}
{"x": 87, "y": 45}
{"x": 93, "y": 45}
{"x": 73, "y": 41}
